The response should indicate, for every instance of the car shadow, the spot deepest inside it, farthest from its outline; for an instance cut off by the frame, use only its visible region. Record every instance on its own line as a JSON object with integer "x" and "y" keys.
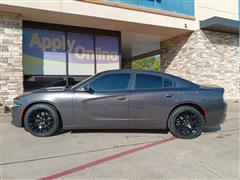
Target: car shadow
{"x": 113, "y": 131}
{"x": 144, "y": 131}
{"x": 212, "y": 129}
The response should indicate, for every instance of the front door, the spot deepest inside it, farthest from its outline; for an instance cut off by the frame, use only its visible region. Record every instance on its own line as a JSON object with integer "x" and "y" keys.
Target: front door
{"x": 107, "y": 103}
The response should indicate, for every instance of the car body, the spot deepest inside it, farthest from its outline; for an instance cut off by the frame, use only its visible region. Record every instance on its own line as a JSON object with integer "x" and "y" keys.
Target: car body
{"x": 124, "y": 99}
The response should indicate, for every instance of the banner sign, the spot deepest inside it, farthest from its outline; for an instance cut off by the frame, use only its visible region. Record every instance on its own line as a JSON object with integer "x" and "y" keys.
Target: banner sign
{"x": 45, "y": 52}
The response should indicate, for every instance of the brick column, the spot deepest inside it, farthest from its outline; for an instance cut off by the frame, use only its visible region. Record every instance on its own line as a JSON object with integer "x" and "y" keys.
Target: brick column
{"x": 11, "y": 68}
{"x": 205, "y": 57}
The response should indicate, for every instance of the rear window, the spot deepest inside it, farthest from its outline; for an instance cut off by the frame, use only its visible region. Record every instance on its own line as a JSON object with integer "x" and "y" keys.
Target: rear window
{"x": 167, "y": 83}
{"x": 144, "y": 81}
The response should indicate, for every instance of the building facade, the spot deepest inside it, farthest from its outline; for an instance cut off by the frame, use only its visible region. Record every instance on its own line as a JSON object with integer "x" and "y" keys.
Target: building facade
{"x": 60, "y": 42}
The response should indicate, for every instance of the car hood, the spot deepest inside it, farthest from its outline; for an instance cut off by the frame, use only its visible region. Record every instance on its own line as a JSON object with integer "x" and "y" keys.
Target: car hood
{"x": 50, "y": 89}
{"x": 45, "y": 90}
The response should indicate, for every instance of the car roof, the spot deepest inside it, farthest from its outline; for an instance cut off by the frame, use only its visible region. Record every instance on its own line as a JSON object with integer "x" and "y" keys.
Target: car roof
{"x": 176, "y": 78}
{"x": 139, "y": 71}
{"x": 134, "y": 71}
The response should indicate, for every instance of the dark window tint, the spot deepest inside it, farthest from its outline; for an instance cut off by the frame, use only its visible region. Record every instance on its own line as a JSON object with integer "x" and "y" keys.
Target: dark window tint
{"x": 148, "y": 82}
{"x": 111, "y": 82}
{"x": 167, "y": 83}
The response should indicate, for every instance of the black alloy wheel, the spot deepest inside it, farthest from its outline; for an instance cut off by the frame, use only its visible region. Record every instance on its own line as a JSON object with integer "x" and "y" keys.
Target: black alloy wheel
{"x": 186, "y": 122}
{"x": 41, "y": 120}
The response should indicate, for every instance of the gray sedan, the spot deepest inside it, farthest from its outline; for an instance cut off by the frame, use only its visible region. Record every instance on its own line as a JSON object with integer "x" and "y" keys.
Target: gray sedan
{"x": 122, "y": 99}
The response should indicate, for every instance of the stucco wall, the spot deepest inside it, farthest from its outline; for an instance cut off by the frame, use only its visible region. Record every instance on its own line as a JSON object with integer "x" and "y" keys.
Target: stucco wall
{"x": 81, "y": 8}
{"x": 11, "y": 76}
{"x": 205, "y": 57}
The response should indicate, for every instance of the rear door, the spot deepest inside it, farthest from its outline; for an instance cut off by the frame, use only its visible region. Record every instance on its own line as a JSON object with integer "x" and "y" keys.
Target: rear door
{"x": 151, "y": 99}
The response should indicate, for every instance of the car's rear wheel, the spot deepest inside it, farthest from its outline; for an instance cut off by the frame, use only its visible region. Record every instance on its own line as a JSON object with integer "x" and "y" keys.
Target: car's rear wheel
{"x": 41, "y": 120}
{"x": 186, "y": 122}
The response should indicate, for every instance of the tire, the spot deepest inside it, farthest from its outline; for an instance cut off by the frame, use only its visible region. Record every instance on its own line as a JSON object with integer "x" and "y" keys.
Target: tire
{"x": 41, "y": 120}
{"x": 186, "y": 122}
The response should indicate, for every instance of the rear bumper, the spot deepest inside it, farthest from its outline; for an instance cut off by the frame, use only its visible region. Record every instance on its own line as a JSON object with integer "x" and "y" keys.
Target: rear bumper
{"x": 216, "y": 114}
{"x": 16, "y": 112}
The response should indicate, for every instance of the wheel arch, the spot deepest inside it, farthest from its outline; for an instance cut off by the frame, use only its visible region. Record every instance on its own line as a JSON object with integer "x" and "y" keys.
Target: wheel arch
{"x": 40, "y": 102}
{"x": 194, "y": 105}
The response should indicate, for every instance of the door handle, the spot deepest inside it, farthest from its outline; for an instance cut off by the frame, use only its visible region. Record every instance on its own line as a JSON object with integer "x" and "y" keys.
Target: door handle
{"x": 122, "y": 98}
{"x": 168, "y": 95}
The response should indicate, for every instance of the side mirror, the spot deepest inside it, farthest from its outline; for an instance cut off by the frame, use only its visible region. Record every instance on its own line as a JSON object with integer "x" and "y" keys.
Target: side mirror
{"x": 87, "y": 88}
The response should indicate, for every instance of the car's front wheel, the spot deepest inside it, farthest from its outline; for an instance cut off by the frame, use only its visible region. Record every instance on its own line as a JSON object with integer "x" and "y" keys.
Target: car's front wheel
{"x": 41, "y": 120}
{"x": 186, "y": 122}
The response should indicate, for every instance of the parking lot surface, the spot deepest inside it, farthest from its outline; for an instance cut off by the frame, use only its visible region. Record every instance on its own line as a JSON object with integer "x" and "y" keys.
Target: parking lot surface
{"x": 122, "y": 154}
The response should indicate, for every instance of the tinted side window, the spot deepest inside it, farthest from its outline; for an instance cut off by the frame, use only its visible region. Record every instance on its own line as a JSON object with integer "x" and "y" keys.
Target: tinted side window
{"x": 167, "y": 83}
{"x": 144, "y": 81}
{"x": 111, "y": 82}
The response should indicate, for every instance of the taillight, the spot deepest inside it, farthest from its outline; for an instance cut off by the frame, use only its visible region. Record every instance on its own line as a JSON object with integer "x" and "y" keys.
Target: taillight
{"x": 205, "y": 112}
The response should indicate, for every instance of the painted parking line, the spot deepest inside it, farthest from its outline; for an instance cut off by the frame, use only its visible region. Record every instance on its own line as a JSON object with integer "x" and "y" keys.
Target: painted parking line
{"x": 106, "y": 159}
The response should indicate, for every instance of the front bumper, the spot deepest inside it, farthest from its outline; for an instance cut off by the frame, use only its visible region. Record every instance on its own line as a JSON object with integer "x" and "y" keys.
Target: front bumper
{"x": 17, "y": 112}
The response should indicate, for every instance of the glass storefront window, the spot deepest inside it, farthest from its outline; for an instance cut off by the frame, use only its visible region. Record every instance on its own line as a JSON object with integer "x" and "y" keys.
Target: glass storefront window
{"x": 107, "y": 53}
{"x": 80, "y": 53}
{"x": 59, "y": 55}
{"x": 44, "y": 52}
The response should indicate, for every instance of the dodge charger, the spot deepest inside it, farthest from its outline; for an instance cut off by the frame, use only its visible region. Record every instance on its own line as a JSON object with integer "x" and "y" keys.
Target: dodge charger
{"x": 122, "y": 99}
